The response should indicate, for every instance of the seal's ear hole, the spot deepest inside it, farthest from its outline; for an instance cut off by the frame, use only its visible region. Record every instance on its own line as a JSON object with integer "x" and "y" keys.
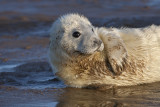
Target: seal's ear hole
{"x": 76, "y": 34}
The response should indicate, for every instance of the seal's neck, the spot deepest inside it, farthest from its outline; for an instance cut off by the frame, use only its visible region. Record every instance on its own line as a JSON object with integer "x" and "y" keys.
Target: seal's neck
{"x": 95, "y": 63}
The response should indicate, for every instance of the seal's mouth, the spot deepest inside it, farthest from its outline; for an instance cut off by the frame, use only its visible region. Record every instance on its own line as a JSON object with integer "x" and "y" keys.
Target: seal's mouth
{"x": 99, "y": 49}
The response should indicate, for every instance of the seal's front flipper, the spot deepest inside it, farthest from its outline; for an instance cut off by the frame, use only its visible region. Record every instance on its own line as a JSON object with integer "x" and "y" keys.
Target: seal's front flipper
{"x": 114, "y": 49}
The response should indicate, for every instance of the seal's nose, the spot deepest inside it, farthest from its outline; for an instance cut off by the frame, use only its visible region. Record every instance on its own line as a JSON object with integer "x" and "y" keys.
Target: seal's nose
{"x": 97, "y": 42}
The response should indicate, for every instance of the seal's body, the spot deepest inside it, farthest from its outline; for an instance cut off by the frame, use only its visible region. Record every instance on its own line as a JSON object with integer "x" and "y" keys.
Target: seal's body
{"x": 84, "y": 55}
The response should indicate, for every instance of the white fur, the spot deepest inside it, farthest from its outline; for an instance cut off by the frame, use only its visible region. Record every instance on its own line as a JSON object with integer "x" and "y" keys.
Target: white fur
{"x": 141, "y": 44}
{"x": 62, "y": 41}
{"x": 135, "y": 51}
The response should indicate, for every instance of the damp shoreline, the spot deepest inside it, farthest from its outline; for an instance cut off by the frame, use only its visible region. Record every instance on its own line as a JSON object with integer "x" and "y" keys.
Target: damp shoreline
{"x": 26, "y": 78}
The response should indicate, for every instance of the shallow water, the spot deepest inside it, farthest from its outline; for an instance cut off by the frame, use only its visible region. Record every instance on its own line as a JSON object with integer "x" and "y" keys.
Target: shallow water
{"x": 34, "y": 75}
{"x": 137, "y": 96}
{"x": 26, "y": 79}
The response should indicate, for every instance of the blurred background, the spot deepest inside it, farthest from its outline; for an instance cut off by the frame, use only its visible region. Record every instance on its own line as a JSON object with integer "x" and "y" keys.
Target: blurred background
{"x": 20, "y": 16}
{"x": 24, "y": 39}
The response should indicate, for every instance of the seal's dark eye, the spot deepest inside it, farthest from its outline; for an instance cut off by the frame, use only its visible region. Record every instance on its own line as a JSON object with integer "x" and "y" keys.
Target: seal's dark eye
{"x": 76, "y": 34}
{"x": 92, "y": 30}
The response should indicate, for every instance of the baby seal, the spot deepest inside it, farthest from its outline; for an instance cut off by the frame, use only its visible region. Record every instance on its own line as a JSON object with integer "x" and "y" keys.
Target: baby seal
{"x": 83, "y": 55}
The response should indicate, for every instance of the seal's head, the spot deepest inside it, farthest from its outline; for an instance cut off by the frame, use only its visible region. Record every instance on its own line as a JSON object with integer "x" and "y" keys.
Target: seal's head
{"x": 74, "y": 34}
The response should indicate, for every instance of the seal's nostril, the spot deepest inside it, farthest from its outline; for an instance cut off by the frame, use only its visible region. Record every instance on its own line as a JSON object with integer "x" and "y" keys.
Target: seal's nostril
{"x": 100, "y": 42}
{"x": 97, "y": 42}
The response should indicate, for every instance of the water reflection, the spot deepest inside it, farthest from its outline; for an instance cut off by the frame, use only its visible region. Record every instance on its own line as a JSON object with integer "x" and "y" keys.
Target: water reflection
{"x": 143, "y": 95}
{"x": 135, "y": 96}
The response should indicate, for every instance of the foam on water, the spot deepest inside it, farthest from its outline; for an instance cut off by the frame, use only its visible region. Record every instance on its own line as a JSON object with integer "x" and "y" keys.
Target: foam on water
{"x": 8, "y": 68}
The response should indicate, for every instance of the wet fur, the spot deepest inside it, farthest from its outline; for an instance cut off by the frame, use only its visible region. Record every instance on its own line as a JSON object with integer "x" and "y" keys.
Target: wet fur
{"x": 136, "y": 61}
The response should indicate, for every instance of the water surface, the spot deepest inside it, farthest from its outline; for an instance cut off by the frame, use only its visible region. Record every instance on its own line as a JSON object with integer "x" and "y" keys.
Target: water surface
{"x": 26, "y": 79}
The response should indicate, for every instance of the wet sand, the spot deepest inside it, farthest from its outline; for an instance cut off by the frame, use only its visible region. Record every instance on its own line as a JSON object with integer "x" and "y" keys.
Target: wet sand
{"x": 139, "y": 96}
{"x": 26, "y": 79}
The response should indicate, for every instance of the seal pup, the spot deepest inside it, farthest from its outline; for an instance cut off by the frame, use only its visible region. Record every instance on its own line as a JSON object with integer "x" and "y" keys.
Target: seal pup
{"x": 83, "y": 55}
